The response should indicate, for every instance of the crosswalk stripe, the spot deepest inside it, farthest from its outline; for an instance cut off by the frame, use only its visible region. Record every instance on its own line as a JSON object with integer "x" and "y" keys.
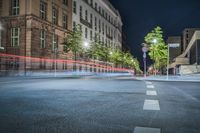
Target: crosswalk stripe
{"x": 146, "y": 130}
{"x": 151, "y": 105}
{"x": 150, "y": 86}
{"x": 151, "y": 93}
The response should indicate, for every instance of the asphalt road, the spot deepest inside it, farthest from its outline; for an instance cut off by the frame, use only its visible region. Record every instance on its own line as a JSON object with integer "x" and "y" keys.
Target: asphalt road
{"x": 98, "y": 106}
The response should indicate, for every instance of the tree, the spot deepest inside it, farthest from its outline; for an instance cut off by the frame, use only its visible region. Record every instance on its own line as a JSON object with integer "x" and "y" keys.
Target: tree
{"x": 73, "y": 42}
{"x": 98, "y": 50}
{"x": 157, "y": 47}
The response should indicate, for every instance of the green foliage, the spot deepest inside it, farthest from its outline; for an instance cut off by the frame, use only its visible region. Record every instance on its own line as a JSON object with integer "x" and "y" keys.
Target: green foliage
{"x": 98, "y": 50}
{"x": 157, "y": 47}
{"x": 73, "y": 42}
{"x": 124, "y": 58}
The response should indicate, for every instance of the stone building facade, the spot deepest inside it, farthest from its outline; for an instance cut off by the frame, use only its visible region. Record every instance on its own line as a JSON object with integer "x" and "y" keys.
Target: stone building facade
{"x": 98, "y": 18}
{"x": 34, "y": 28}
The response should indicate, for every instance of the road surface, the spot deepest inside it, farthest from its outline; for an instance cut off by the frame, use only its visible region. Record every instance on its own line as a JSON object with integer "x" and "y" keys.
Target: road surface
{"x": 108, "y": 105}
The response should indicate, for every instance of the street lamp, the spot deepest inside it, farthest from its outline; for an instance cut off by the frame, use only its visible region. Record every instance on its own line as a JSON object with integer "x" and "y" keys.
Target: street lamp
{"x": 145, "y": 50}
{"x": 154, "y": 42}
{"x": 86, "y": 46}
{"x": 55, "y": 62}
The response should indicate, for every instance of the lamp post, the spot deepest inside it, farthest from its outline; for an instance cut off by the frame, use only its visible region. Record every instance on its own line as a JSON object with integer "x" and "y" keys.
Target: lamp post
{"x": 86, "y": 46}
{"x": 154, "y": 67}
{"x": 145, "y": 50}
{"x": 55, "y": 62}
{"x": 1, "y": 28}
{"x": 111, "y": 55}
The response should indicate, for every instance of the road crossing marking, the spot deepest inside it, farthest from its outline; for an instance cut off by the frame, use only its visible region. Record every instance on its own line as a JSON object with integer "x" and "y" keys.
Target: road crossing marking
{"x": 151, "y": 105}
{"x": 151, "y": 93}
{"x": 148, "y": 83}
{"x": 146, "y": 130}
{"x": 150, "y": 86}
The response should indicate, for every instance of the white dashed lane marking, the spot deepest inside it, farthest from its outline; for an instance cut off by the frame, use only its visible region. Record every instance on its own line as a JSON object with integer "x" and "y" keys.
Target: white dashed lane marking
{"x": 151, "y": 93}
{"x": 150, "y": 86}
{"x": 146, "y": 130}
{"x": 148, "y": 83}
{"x": 151, "y": 105}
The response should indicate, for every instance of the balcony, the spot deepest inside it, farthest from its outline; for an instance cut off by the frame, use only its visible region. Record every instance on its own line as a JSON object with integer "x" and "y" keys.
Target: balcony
{"x": 86, "y": 23}
{"x": 109, "y": 37}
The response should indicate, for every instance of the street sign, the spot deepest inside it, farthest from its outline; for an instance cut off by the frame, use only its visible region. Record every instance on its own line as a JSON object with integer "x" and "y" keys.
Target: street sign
{"x": 144, "y": 49}
{"x": 144, "y": 55}
{"x": 174, "y": 45}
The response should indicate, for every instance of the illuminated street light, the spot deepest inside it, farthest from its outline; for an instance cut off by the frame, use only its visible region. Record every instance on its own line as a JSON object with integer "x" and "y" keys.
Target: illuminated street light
{"x": 86, "y": 44}
{"x": 155, "y": 41}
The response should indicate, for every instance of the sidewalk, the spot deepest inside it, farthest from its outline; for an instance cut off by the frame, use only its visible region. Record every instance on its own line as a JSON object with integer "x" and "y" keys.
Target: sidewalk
{"x": 183, "y": 78}
{"x": 66, "y": 74}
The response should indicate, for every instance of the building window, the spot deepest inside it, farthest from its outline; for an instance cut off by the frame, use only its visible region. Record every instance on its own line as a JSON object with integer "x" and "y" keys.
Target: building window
{"x": 15, "y": 32}
{"x": 95, "y": 23}
{"x": 95, "y": 6}
{"x": 65, "y": 21}
{"x": 55, "y": 16}
{"x": 65, "y": 2}
{"x": 81, "y": 12}
{"x": 54, "y": 42}
{"x": 99, "y": 26}
{"x": 103, "y": 28}
{"x": 80, "y": 26}
{"x": 91, "y": 3}
{"x": 91, "y": 35}
{"x": 14, "y": 7}
{"x": 74, "y": 7}
{"x": 74, "y": 25}
{"x": 43, "y": 10}
{"x": 86, "y": 33}
{"x": 86, "y": 15}
{"x": 42, "y": 39}
{"x": 99, "y": 9}
{"x": 91, "y": 18}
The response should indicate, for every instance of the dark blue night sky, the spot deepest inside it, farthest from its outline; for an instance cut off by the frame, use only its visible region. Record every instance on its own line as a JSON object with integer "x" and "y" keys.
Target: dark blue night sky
{"x": 141, "y": 16}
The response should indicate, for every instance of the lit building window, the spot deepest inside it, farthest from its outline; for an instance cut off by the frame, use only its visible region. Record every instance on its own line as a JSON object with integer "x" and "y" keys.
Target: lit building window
{"x": 15, "y": 32}
{"x": 42, "y": 39}
{"x": 43, "y": 10}
{"x": 15, "y": 7}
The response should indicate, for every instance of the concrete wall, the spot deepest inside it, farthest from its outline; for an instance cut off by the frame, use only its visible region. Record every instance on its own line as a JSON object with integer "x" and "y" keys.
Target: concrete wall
{"x": 189, "y": 69}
